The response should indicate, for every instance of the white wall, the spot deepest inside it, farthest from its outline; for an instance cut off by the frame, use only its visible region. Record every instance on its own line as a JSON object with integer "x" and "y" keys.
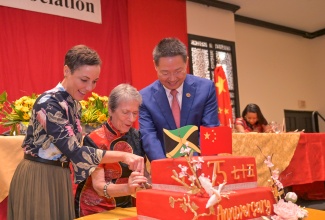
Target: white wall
{"x": 318, "y": 57}
{"x": 210, "y": 21}
{"x": 275, "y": 69}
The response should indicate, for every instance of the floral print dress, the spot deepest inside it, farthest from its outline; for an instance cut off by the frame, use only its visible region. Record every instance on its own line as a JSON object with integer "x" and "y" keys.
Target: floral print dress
{"x": 55, "y": 133}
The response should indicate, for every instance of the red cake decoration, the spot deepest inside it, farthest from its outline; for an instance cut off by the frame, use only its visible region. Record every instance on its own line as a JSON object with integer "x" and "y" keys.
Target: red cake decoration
{"x": 238, "y": 172}
{"x": 193, "y": 187}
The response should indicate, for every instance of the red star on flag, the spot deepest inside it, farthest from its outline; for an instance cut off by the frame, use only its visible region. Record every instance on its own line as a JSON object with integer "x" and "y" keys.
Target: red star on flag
{"x": 215, "y": 140}
{"x": 223, "y": 97}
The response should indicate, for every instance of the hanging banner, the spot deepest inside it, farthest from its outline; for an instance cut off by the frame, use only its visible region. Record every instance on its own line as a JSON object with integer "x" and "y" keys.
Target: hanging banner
{"x": 86, "y": 10}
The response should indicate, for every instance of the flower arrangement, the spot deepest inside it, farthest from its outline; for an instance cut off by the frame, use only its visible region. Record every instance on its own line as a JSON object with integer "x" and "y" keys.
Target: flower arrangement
{"x": 285, "y": 208}
{"x": 13, "y": 113}
{"x": 94, "y": 110}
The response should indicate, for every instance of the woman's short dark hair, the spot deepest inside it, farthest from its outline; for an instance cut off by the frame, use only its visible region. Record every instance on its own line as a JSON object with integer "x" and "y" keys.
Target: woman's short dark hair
{"x": 81, "y": 55}
{"x": 255, "y": 109}
{"x": 169, "y": 47}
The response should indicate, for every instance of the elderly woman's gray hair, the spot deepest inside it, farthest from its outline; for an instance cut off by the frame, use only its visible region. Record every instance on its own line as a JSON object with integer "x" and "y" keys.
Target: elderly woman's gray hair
{"x": 123, "y": 92}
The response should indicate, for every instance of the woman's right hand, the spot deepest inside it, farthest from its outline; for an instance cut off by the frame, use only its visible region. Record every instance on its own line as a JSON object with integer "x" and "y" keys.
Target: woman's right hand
{"x": 136, "y": 179}
{"x": 135, "y": 162}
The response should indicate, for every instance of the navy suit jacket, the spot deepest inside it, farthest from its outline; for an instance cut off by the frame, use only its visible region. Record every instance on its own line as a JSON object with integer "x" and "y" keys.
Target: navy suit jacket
{"x": 199, "y": 107}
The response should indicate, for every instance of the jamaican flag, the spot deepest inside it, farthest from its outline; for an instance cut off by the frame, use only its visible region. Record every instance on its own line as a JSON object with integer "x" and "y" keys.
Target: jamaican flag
{"x": 176, "y": 141}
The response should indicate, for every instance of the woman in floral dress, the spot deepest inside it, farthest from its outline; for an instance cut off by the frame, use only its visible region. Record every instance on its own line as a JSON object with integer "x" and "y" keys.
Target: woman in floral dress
{"x": 116, "y": 134}
{"x": 41, "y": 186}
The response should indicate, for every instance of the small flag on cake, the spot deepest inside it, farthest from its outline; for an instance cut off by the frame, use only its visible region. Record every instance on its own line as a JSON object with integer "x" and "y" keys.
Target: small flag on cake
{"x": 215, "y": 140}
{"x": 177, "y": 142}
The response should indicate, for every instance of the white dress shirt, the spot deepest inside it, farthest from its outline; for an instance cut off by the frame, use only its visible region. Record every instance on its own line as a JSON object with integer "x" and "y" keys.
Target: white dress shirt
{"x": 178, "y": 96}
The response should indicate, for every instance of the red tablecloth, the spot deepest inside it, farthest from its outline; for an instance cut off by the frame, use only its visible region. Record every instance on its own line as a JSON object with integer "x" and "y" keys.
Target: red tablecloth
{"x": 308, "y": 162}
{"x": 306, "y": 171}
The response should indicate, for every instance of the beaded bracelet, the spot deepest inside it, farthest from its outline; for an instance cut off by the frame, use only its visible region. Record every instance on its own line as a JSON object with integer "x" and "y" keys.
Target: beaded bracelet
{"x": 105, "y": 190}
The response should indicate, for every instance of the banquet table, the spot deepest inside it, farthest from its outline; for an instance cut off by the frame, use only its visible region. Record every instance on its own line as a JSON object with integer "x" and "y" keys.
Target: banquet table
{"x": 300, "y": 157}
{"x": 131, "y": 213}
{"x": 11, "y": 154}
{"x": 260, "y": 145}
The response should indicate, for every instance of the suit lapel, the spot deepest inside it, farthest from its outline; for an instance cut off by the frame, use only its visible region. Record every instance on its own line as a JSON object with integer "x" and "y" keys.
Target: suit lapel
{"x": 189, "y": 90}
{"x": 163, "y": 104}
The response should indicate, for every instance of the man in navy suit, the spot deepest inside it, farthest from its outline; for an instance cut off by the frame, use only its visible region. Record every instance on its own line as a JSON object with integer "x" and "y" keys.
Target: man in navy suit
{"x": 196, "y": 97}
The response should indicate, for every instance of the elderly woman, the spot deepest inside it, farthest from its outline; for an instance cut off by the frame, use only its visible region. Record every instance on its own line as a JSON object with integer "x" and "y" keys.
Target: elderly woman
{"x": 116, "y": 134}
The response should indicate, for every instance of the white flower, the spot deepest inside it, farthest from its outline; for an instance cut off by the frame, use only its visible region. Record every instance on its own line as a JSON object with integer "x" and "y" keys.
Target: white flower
{"x": 192, "y": 178}
{"x": 181, "y": 174}
{"x": 183, "y": 171}
{"x": 278, "y": 184}
{"x": 183, "y": 168}
{"x": 201, "y": 159}
{"x": 275, "y": 174}
{"x": 198, "y": 163}
{"x": 268, "y": 162}
{"x": 198, "y": 166}
{"x": 302, "y": 213}
{"x": 288, "y": 211}
{"x": 185, "y": 150}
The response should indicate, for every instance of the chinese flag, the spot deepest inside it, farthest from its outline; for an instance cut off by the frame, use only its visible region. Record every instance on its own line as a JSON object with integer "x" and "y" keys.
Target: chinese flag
{"x": 224, "y": 104}
{"x": 215, "y": 140}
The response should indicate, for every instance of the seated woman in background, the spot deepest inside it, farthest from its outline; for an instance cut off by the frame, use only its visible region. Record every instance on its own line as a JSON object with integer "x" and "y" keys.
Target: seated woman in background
{"x": 252, "y": 120}
{"x": 116, "y": 134}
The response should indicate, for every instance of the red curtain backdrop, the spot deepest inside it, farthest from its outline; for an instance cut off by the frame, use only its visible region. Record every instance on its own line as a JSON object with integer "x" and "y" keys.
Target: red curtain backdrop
{"x": 33, "y": 45}
{"x": 149, "y": 22}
